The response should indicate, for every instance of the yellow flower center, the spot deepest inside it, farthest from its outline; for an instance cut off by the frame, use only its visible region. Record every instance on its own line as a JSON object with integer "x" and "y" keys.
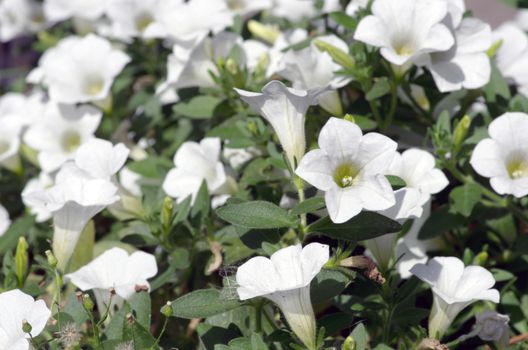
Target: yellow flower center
{"x": 143, "y": 20}
{"x": 404, "y": 50}
{"x": 345, "y": 175}
{"x": 70, "y": 141}
{"x": 517, "y": 169}
{"x": 94, "y": 86}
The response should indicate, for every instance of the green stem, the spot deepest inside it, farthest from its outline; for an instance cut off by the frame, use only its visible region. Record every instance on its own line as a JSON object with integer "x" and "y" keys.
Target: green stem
{"x": 258, "y": 317}
{"x": 299, "y": 184}
{"x": 161, "y": 333}
{"x": 393, "y": 105}
{"x": 270, "y": 320}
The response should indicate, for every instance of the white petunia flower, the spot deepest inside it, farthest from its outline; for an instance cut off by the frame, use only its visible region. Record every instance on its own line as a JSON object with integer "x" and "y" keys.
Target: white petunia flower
{"x": 59, "y": 10}
{"x": 283, "y": 41}
{"x": 10, "y": 143}
{"x": 454, "y": 288}
{"x": 130, "y": 181}
{"x": 349, "y": 167}
{"x": 61, "y": 130}
{"x": 19, "y": 17}
{"x": 40, "y": 183}
{"x": 180, "y": 20}
{"x": 512, "y": 55}
{"x": 406, "y": 30}
{"x": 24, "y": 109}
{"x": 490, "y": 326}
{"x": 247, "y": 8}
{"x": 73, "y": 201}
{"x": 5, "y": 222}
{"x": 236, "y": 157}
{"x": 285, "y": 280}
{"x": 311, "y": 68}
{"x": 285, "y": 109}
{"x": 466, "y": 65}
{"x": 80, "y": 69}
{"x": 115, "y": 268}
{"x": 100, "y": 158}
{"x": 407, "y": 206}
{"x": 130, "y": 18}
{"x": 17, "y": 309}
{"x": 297, "y": 10}
{"x": 196, "y": 163}
{"x": 417, "y": 168}
{"x": 504, "y": 156}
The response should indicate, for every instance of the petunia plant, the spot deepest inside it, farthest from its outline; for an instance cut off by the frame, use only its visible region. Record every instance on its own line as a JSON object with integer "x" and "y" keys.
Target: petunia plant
{"x": 262, "y": 174}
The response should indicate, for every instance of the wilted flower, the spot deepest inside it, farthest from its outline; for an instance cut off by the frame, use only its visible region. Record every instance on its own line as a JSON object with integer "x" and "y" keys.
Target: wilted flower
{"x": 285, "y": 109}
{"x": 504, "y": 156}
{"x": 406, "y": 30}
{"x": 454, "y": 288}
{"x": 285, "y": 280}
{"x": 5, "y": 222}
{"x": 196, "y": 163}
{"x": 18, "y": 309}
{"x": 349, "y": 167}
{"x": 116, "y": 269}
{"x": 61, "y": 130}
{"x": 79, "y": 69}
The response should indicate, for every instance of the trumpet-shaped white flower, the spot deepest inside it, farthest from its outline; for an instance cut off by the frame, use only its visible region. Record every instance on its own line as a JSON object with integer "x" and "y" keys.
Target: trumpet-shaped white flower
{"x": 60, "y": 132}
{"x": 80, "y": 69}
{"x": 181, "y": 20}
{"x": 59, "y": 10}
{"x": 17, "y": 309}
{"x": 40, "y": 183}
{"x": 466, "y": 64}
{"x": 296, "y": 10}
{"x": 73, "y": 201}
{"x": 196, "y": 163}
{"x": 130, "y": 18}
{"x": 454, "y": 288}
{"x": 285, "y": 280}
{"x": 100, "y": 159}
{"x": 115, "y": 268}
{"x": 247, "y": 8}
{"x": 406, "y": 30}
{"x": 512, "y": 55}
{"x": 19, "y": 17}
{"x": 417, "y": 168}
{"x": 407, "y": 206}
{"x": 285, "y": 109}
{"x": 504, "y": 156}
{"x": 5, "y": 222}
{"x": 311, "y": 68}
{"x": 349, "y": 167}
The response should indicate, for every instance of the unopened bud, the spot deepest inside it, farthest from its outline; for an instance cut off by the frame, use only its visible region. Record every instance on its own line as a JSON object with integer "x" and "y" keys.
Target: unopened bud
{"x": 26, "y": 327}
{"x": 167, "y": 309}
{"x": 350, "y": 118}
{"x": 21, "y": 261}
{"x": 52, "y": 260}
{"x": 492, "y": 51}
{"x": 481, "y": 259}
{"x": 166, "y": 212}
{"x": 364, "y": 263}
{"x": 262, "y": 31}
{"x": 461, "y": 131}
{"x": 231, "y": 66}
{"x": 87, "y": 302}
{"x": 349, "y": 344}
{"x": 339, "y": 56}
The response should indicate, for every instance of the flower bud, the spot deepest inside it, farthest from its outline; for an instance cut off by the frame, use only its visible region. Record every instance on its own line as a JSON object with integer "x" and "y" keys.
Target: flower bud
{"x": 21, "y": 261}
{"x": 264, "y": 32}
{"x": 350, "y": 118}
{"x": 461, "y": 131}
{"x": 166, "y": 212}
{"x": 349, "y": 344}
{"x": 87, "y": 302}
{"x": 492, "y": 51}
{"x": 26, "y": 327}
{"x": 339, "y": 56}
{"x": 52, "y": 260}
{"x": 167, "y": 309}
{"x": 481, "y": 258}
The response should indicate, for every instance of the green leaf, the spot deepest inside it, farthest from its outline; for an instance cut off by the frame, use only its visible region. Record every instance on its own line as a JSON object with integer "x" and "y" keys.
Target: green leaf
{"x": 440, "y": 221}
{"x": 360, "y": 336}
{"x": 464, "y": 198}
{"x": 19, "y": 228}
{"x": 256, "y": 214}
{"x": 84, "y": 250}
{"x": 140, "y": 304}
{"x": 396, "y": 182}
{"x": 327, "y": 284}
{"x": 365, "y": 225}
{"x": 199, "y": 107}
{"x": 381, "y": 88}
{"x": 344, "y": 20}
{"x": 151, "y": 167}
{"x": 497, "y": 86}
{"x": 202, "y": 303}
{"x": 309, "y": 206}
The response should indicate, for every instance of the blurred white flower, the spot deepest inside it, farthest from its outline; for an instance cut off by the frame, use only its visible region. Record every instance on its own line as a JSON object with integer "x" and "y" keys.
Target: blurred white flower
{"x": 130, "y": 18}
{"x": 466, "y": 65}
{"x": 285, "y": 280}
{"x": 504, "y": 156}
{"x": 406, "y": 30}
{"x": 24, "y": 109}
{"x": 285, "y": 109}
{"x": 130, "y": 181}
{"x": 5, "y": 222}
{"x": 417, "y": 168}
{"x": 522, "y": 18}
{"x": 79, "y": 69}
{"x": 311, "y": 68}
{"x": 196, "y": 163}
{"x": 100, "y": 158}
{"x": 60, "y": 131}
{"x": 74, "y": 200}
{"x": 18, "y": 308}
{"x": 297, "y": 10}
{"x": 115, "y": 268}
{"x": 407, "y": 206}
{"x": 490, "y": 326}
{"x": 180, "y": 20}
{"x": 282, "y": 42}
{"x": 10, "y": 143}
{"x": 59, "y": 10}
{"x": 350, "y": 168}
{"x": 355, "y": 5}
{"x": 40, "y": 183}
{"x": 512, "y": 55}
{"x": 236, "y": 157}
{"x": 19, "y": 17}
{"x": 454, "y": 288}
{"x": 247, "y": 8}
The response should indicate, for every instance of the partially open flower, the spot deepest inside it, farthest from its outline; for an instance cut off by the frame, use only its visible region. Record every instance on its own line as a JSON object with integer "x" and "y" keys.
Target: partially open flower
{"x": 285, "y": 109}
{"x": 504, "y": 156}
{"x": 19, "y": 309}
{"x": 454, "y": 288}
{"x": 115, "y": 270}
{"x": 350, "y": 168}
{"x": 80, "y": 69}
{"x": 285, "y": 280}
